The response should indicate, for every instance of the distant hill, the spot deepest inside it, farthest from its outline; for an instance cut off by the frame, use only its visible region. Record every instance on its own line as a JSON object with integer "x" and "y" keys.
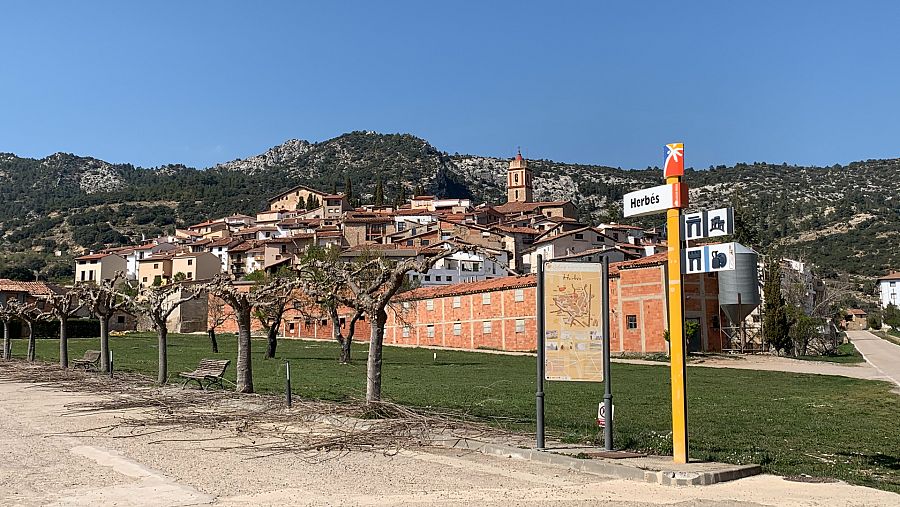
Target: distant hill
{"x": 842, "y": 218}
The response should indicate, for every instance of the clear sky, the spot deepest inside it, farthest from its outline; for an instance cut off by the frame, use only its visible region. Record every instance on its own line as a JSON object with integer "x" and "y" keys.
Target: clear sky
{"x": 201, "y": 82}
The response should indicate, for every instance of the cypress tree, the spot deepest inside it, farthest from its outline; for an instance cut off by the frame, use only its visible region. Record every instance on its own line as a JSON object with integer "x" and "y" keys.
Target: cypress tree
{"x": 379, "y": 192}
{"x": 348, "y": 188}
{"x": 776, "y": 326}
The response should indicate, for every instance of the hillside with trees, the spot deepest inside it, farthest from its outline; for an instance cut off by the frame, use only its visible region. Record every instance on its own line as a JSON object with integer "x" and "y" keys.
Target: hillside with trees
{"x": 842, "y": 218}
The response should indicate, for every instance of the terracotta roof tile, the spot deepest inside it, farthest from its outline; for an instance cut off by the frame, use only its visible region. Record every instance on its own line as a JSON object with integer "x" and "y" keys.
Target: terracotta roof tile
{"x": 35, "y": 288}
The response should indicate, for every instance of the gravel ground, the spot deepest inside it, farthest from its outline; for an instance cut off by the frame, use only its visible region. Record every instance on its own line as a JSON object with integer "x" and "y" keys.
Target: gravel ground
{"x": 49, "y": 457}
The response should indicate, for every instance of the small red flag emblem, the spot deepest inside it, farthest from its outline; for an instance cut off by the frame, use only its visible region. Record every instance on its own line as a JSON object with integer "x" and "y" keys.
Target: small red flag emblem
{"x": 674, "y": 165}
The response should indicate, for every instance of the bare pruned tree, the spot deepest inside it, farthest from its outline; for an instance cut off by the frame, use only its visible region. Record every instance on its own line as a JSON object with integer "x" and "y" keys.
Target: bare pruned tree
{"x": 269, "y": 311}
{"x": 217, "y": 315}
{"x": 6, "y": 316}
{"x": 243, "y": 302}
{"x": 158, "y": 303}
{"x": 62, "y": 306}
{"x": 368, "y": 284}
{"x": 104, "y": 301}
{"x": 27, "y": 313}
{"x": 319, "y": 288}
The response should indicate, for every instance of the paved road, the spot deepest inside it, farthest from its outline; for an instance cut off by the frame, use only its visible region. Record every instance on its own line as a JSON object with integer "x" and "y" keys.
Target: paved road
{"x": 47, "y": 458}
{"x": 883, "y": 355}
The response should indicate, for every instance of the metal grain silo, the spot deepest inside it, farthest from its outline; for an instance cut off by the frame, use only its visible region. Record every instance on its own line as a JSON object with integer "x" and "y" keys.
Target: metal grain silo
{"x": 739, "y": 289}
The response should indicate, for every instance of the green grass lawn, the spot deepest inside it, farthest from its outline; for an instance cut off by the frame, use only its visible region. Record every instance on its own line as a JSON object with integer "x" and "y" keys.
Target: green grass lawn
{"x": 790, "y": 423}
{"x": 846, "y": 353}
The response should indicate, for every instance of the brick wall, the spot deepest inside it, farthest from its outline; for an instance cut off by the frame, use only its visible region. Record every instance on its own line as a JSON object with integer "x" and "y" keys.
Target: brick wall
{"x": 502, "y": 317}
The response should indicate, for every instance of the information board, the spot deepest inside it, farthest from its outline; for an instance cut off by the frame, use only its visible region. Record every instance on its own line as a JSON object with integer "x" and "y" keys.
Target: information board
{"x": 573, "y": 341}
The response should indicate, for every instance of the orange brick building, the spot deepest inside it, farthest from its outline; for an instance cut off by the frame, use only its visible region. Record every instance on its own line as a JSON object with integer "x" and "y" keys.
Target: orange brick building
{"x": 500, "y": 313}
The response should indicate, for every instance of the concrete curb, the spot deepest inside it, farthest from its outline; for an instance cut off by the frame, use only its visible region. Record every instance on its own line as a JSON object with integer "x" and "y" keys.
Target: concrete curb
{"x": 609, "y": 467}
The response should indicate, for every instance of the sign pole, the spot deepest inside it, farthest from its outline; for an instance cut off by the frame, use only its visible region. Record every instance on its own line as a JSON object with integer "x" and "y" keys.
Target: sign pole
{"x": 539, "y": 394}
{"x": 607, "y": 371}
{"x": 676, "y": 333}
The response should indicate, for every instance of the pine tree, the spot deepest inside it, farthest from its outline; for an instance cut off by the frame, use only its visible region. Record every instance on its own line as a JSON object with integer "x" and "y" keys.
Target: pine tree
{"x": 379, "y": 192}
{"x": 775, "y": 323}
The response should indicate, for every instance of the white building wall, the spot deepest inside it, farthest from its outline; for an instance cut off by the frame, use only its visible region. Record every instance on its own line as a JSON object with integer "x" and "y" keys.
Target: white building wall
{"x": 890, "y": 292}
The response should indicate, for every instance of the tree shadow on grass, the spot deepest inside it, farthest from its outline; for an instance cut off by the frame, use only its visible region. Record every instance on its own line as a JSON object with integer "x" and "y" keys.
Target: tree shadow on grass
{"x": 877, "y": 459}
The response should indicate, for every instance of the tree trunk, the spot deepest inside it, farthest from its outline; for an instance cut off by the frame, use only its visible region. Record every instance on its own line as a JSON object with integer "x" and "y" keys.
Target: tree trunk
{"x": 345, "y": 349}
{"x": 212, "y": 340}
{"x": 31, "y": 344}
{"x": 373, "y": 367}
{"x": 272, "y": 338}
{"x": 162, "y": 336}
{"x": 104, "y": 343}
{"x": 338, "y": 336}
{"x": 63, "y": 342}
{"x": 7, "y": 344}
{"x": 244, "y": 366}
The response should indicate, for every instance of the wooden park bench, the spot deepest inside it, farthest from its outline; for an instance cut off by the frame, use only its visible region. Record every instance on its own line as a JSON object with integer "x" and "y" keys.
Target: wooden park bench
{"x": 90, "y": 361}
{"x": 211, "y": 371}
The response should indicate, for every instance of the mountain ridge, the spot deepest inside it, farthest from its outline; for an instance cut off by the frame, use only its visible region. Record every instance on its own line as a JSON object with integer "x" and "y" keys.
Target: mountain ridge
{"x": 68, "y": 203}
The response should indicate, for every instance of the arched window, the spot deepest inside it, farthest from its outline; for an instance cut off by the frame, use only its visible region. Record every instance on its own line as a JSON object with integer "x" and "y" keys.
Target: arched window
{"x": 516, "y": 177}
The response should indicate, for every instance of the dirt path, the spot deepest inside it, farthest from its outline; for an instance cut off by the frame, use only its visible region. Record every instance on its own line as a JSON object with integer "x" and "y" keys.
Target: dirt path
{"x": 48, "y": 458}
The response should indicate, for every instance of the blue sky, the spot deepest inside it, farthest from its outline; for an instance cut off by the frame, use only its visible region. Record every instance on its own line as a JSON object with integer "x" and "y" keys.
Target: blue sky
{"x": 593, "y": 82}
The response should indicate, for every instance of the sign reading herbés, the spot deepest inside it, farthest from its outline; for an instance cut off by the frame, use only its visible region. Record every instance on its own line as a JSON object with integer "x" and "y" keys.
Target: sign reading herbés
{"x": 573, "y": 343}
{"x": 654, "y": 200}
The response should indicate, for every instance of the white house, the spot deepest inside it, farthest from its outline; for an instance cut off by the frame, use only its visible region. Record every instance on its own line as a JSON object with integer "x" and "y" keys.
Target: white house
{"x": 140, "y": 252}
{"x": 564, "y": 244}
{"x": 220, "y": 248}
{"x": 459, "y": 267}
{"x": 889, "y": 289}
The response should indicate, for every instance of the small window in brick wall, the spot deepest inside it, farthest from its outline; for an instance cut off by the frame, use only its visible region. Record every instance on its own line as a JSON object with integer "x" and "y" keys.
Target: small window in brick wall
{"x": 632, "y": 321}
{"x": 457, "y": 301}
{"x": 520, "y": 295}
{"x": 429, "y": 304}
{"x": 520, "y": 325}
{"x": 457, "y": 328}
{"x": 406, "y": 331}
{"x": 431, "y": 331}
{"x": 486, "y": 298}
{"x": 486, "y": 327}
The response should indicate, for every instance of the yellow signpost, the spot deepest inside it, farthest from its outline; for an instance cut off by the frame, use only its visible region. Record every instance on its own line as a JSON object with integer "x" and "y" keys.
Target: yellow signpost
{"x": 671, "y": 198}
{"x": 676, "y": 335}
{"x": 673, "y": 170}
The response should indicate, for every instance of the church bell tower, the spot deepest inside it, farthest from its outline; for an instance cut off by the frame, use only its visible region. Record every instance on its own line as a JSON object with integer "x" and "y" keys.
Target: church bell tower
{"x": 518, "y": 181}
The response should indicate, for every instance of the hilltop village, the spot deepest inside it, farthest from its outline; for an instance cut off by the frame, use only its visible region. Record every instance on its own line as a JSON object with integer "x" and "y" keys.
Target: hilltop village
{"x": 473, "y": 298}
{"x": 483, "y": 298}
